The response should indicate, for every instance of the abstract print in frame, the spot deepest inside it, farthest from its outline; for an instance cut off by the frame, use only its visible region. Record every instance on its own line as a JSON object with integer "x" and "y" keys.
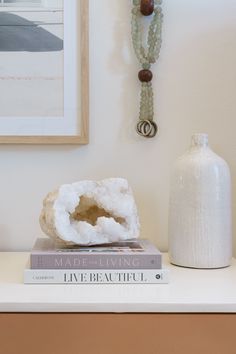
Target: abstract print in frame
{"x": 44, "y": 71}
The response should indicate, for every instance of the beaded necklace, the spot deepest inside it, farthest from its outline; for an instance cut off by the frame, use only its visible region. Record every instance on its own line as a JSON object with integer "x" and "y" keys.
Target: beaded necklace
{"x": 146, "y": 126}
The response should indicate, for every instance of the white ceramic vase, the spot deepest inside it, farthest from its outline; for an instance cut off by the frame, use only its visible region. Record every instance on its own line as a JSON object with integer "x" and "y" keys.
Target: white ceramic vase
{"x": 200, "y": 225}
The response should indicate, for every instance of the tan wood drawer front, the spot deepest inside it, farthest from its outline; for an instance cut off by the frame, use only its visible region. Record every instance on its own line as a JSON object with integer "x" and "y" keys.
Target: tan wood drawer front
{"x": 117, "y": 333}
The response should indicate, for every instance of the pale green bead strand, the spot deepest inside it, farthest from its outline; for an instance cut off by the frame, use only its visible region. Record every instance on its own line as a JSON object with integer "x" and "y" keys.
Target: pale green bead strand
{"x": 146, "y": 102}
{"x": 154, "y": 35}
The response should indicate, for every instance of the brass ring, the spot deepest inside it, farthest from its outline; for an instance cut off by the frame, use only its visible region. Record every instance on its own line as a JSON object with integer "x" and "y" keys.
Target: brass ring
{"x": 147, "y": 128}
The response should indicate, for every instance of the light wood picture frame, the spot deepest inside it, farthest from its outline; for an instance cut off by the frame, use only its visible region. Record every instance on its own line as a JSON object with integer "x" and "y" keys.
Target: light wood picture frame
{"x": 72, "y": 126}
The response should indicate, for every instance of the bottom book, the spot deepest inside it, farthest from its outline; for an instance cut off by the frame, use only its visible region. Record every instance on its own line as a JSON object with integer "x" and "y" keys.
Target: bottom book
{"x": 101, "y": 276}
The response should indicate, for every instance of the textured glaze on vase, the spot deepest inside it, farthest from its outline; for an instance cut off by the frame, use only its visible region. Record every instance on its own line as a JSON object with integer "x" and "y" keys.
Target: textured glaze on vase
{"x": 200, "y": 231}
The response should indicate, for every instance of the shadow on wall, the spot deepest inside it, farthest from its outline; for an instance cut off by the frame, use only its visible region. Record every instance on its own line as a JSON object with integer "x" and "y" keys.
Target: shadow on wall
{"x": 18, "y": 34}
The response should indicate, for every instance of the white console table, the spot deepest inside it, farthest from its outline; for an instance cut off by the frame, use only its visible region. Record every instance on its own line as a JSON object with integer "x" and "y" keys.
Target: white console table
{"x": 194, "y": 313}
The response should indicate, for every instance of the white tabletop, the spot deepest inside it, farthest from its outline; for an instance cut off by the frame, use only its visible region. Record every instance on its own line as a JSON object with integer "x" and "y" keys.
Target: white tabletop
{"x": 189, "y": 290}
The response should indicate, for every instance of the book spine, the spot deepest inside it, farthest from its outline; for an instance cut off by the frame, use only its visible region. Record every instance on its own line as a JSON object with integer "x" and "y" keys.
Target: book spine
{"x": 105, "y": 261}
{"x": 103, "y": 276}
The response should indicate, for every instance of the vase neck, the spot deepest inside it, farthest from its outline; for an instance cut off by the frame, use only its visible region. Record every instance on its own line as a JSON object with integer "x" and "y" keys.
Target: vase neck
{"x": 199, "y": 141}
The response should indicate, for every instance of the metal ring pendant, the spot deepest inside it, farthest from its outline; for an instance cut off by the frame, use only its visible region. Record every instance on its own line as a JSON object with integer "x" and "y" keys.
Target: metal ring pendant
{"x": 147, "y": 128}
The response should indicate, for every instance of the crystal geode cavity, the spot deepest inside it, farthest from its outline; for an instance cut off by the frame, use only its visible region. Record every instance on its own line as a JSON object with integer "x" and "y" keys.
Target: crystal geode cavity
{"x": 90, "y": 213}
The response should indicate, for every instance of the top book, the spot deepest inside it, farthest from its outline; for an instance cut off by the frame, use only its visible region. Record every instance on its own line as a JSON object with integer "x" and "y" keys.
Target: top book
{"x": 132, "y": 254}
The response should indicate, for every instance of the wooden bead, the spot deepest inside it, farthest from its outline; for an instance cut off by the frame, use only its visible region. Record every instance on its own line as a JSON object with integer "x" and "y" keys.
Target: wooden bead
{"x": 145, "y": 75}
{"x": 147, "y": 7}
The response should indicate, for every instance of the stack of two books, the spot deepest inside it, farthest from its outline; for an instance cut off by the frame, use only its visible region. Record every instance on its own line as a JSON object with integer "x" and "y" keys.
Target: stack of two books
{"x": 127, "y": 262}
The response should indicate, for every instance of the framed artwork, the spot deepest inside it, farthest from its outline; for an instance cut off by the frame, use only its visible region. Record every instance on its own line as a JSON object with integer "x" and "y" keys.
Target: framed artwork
{"x": 44, "y": 89}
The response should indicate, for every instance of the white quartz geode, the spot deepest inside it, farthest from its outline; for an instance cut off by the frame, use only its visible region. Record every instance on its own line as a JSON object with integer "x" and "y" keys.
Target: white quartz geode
{"x": 91, "y": 213}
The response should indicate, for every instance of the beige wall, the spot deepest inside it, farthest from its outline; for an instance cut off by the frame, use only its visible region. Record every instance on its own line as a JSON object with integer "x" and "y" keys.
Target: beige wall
{"x": 194, "y": 92}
